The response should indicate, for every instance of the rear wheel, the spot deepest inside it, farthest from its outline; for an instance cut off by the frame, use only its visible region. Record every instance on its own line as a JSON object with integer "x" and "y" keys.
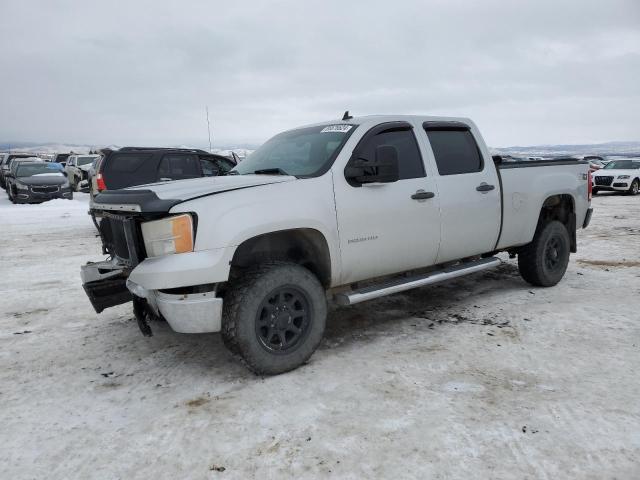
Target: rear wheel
{"x": 634, "y": 188}
{"x": 274, "y": 317}
{"x": 544, "y": 261}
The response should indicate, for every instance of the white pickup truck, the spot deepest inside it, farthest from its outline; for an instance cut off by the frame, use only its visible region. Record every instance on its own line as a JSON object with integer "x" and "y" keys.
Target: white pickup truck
{"x": 346, "y": 211}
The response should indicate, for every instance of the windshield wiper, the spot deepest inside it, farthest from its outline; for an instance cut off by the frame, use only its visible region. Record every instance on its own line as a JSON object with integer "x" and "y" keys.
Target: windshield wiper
{"x": 270, "y": 171}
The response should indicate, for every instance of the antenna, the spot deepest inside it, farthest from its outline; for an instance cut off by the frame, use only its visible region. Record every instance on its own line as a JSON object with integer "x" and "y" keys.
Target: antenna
{"x": 208, "y": 127}
{"x": 346, "y": 116}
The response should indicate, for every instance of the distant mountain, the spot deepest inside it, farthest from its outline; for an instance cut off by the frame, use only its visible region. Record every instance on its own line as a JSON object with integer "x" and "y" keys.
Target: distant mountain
{"x": 52, "y": 147}
{"x": 627, "y": 149}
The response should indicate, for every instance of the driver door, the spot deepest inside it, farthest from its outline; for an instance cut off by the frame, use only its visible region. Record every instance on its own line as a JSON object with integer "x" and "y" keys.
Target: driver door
{"x": 387, "y": 228}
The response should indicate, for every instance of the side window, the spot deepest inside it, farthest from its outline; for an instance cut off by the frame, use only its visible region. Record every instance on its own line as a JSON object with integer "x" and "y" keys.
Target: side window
{"x": 209, "y": 168}
{"x": 410, "y": 163}
{"x": 224, "y": 165}
{"x": 179, "y": 167}
{"x": 455, "y": 151}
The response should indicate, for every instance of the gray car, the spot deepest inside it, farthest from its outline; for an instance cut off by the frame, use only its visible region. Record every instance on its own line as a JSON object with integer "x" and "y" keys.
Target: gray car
{"x": 36, "y": 182}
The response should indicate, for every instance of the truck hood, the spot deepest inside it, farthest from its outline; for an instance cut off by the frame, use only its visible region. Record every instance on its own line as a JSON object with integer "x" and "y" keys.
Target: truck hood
{"x": 160, "y": 197}
{"x": 199, "y": 187}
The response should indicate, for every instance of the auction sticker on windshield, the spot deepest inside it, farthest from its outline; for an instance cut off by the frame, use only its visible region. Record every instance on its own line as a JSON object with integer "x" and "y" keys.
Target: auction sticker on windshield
{"x": 336, "y": 128}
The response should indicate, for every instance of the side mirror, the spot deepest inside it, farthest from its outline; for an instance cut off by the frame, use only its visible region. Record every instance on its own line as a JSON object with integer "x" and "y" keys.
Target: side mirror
{"x": 383, "y": 169}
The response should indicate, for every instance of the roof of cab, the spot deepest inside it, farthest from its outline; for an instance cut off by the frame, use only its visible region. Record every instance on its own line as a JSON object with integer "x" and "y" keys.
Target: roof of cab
{"x": 376, "y": 119}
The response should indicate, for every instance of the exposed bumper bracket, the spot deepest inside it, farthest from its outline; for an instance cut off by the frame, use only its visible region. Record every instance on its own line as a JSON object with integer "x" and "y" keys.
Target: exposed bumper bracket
{"x": 140, "y": 310}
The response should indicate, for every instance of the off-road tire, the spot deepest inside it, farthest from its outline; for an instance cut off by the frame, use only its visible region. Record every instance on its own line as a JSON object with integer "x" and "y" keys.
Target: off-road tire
{"x": 537, "y": 262}
{"x": 634, "y": 188}
{"x": 244, "y": 301}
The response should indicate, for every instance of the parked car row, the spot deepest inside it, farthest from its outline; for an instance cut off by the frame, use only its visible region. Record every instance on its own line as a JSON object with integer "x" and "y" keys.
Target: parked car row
{"x": 110, "y": 169}
{"x": 29, "y": 179}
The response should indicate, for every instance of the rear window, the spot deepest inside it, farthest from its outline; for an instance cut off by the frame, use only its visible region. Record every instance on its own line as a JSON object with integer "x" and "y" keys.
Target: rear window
{"x": 128, "y": 169}
{"x": 126, "y": 163}
{"x": 84, "y": 160}
{"x": 455, "y": 151}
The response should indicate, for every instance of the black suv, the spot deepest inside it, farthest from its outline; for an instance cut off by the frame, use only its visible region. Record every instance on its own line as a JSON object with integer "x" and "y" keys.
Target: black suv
{"x": 130, "y": 166}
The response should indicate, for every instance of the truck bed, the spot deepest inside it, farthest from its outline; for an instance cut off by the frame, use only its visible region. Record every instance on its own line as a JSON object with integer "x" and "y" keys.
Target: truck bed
{"x": 525, "y": 185}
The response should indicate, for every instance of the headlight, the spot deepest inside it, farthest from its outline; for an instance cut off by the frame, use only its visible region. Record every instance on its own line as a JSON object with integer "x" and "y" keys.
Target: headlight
{"x": 623, "y": 177}
{"x": 21, "y": 186}
{"x": 168, "y": 235}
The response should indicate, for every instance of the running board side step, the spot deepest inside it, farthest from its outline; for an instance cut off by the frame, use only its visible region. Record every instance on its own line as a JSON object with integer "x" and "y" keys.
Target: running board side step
{"x": 403, "y": 284}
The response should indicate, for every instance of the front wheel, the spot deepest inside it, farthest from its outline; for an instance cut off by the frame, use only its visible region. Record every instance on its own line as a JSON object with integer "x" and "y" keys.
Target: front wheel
{"x": 634, "y": 188}
{"x": 544, "y": 261}
{"x": 274, "y": 317}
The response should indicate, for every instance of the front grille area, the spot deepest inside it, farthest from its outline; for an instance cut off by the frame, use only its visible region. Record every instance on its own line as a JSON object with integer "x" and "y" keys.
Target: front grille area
{"x": 603, "y": 181}
{"x": 45, "y": 189}
{"x": 121, "y": 238}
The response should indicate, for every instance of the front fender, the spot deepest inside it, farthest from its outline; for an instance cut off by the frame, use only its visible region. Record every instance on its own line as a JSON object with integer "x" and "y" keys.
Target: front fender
{"x": 227, "y": 219}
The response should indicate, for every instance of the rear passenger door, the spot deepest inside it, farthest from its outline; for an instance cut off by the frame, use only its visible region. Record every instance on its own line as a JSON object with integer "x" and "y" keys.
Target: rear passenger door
{"x": 469, "y": 191}
{"x": 179, "y": 166}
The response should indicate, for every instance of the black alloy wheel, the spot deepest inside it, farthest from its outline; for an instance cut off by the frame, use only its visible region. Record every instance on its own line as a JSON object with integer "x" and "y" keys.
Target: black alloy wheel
{"x": 283, "y": 319}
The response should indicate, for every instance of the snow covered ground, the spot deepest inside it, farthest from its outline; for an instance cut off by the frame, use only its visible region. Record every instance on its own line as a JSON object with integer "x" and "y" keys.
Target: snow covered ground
{"x": 484, "y": 377}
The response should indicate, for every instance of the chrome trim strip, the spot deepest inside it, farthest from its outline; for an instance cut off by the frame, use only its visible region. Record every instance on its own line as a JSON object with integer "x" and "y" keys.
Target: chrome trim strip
{"x": 117, "y": 207}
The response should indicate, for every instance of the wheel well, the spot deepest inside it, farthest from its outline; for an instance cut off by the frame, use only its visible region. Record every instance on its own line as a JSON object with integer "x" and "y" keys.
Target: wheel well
{"x": 305, "y": 246}
{"x": 562, "y": 209}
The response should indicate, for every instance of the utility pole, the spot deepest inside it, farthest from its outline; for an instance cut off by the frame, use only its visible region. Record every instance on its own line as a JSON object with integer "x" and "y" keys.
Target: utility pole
{"x": 208, "y": 127}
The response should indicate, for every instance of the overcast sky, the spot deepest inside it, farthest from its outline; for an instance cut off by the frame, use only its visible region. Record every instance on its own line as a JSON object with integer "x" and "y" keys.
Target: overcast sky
{"x": 141, "y": 72}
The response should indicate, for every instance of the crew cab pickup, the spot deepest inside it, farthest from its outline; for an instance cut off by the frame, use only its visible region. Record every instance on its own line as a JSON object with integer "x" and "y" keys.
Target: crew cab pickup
{"x": 347, "y": 211}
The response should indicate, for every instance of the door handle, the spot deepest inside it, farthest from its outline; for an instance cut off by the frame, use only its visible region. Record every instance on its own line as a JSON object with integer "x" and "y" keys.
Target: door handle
{"x": 422, "y": 195}
{"x": 484, "y": 187}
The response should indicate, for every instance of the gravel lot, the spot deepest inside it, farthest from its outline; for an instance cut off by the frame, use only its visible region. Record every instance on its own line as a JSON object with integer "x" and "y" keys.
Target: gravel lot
{"x": 485, "y": 377}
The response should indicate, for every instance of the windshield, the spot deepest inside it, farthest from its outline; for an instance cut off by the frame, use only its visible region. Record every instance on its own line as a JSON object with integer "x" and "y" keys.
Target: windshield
{"x": 623, "y": 165}
{"x": 28, "y": 169}
{"x": 85, "y": 160}
{"x": 304, "y": 152}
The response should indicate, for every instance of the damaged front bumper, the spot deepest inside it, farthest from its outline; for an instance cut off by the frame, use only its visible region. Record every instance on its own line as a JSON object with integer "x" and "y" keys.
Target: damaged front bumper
{"x": 187, "y": 310}
{"x": 105, "y": 284}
